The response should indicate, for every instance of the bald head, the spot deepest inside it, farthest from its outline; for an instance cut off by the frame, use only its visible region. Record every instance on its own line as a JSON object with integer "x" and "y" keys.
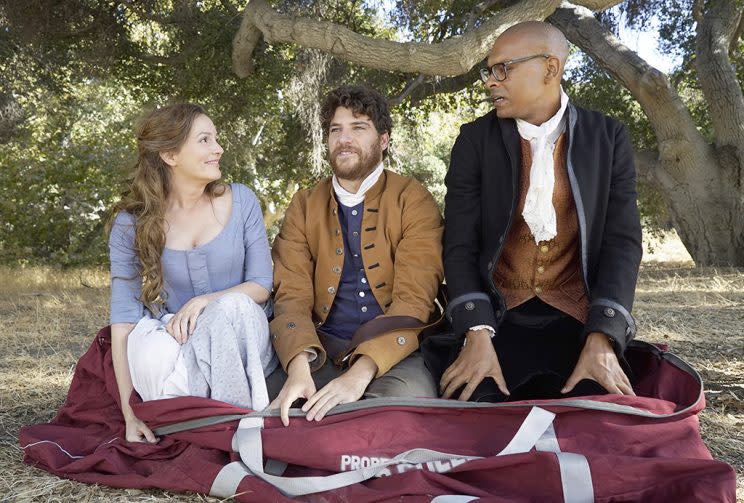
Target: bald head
{"x": 526, "y": 65}
{"x": 539, "y": 37}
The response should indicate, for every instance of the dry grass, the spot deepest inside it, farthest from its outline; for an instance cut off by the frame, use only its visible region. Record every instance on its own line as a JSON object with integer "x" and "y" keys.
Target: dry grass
{"x": 49, "y": 317}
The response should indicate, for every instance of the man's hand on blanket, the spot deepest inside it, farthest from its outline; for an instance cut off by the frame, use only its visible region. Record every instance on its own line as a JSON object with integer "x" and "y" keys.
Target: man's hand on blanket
{"x": 183, "y": 323}
{"x": 599, "y": 363}
{"x": 137, "y": 431}
{"x": 476, "y": 361}
{"x": 347, "y": 388}
{"x": 299, "y": 384}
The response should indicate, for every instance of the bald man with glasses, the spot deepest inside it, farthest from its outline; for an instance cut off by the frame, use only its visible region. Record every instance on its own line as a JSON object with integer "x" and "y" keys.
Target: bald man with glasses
{"x": 542, "y": 239}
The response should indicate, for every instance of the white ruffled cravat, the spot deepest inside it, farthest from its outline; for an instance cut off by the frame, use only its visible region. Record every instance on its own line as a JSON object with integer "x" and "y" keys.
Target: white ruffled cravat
{"x": 539, "y": 212}
{"x": 347, "y": 198}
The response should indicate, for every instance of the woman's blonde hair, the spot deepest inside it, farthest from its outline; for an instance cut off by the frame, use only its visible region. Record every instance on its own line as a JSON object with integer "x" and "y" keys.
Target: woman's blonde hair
{"x": 165, "y": 129}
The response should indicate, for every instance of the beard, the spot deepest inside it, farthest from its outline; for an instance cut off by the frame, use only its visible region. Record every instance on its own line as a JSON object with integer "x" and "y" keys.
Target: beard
{"x": 359, "y": 169}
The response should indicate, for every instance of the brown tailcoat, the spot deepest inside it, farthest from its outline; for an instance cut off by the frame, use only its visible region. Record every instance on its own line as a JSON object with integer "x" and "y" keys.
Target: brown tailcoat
{"x": 402, "y": 255}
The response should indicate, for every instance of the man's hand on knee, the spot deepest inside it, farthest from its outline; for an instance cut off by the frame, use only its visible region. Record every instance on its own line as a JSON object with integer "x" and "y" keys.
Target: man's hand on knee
{"x": 346, "y": 388}
{"x": 476, "y": 361}
{"x": 599, "y": 363}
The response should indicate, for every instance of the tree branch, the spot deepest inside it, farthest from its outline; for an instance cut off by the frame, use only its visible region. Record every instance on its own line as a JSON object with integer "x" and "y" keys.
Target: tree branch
{"x": 675, "y": 130}
{"x": 421, "y": 89}
{"x": 453, "y": 56}
{"x": 717, "y": 77}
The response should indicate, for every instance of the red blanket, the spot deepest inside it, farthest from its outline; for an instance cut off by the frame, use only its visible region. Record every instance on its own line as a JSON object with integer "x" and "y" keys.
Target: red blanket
{"x": 603, "y": 448}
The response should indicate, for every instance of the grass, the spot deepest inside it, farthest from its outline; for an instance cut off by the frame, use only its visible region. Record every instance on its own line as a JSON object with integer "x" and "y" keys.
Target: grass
{"x": 49, "y": 318}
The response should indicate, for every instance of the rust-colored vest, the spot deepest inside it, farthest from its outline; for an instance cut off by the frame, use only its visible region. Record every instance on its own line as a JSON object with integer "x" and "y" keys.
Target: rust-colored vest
{"x": 550, "y": 270}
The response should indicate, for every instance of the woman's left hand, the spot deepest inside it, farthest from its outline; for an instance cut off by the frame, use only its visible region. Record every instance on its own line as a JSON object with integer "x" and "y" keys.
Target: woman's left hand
{"x": 183, "y": 323}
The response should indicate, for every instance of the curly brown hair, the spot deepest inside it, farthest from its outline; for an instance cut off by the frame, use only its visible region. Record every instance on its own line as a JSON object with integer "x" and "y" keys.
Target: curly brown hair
{"x": 165, "y": 129}
{"x": 361, "y": 100}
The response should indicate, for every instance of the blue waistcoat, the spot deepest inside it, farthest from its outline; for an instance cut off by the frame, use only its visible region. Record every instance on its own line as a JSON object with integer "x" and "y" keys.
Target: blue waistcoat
{"x": 354, "y": 303}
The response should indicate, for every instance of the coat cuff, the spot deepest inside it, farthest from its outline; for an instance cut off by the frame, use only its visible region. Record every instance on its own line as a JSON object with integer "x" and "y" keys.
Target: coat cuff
{"x": 613, "y": 320}
{"x": 292, "y": 334}
{"x": 470, "y": 310}
{"x": 387, "y": 350}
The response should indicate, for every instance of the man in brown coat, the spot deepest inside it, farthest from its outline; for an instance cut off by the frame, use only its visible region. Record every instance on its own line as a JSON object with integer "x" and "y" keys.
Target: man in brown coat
{"x": 357, "y": 265}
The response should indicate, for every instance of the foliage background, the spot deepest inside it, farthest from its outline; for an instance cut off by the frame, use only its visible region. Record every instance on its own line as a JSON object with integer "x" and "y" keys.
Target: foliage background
{"x": 76, "y": 75}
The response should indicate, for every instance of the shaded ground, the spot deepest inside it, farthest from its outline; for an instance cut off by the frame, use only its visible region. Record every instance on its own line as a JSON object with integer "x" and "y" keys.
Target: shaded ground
{"x": 49, "y": 318}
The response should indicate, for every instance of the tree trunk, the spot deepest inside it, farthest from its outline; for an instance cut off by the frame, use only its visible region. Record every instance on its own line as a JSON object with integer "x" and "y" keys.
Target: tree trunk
{"x": 700, "y": 182}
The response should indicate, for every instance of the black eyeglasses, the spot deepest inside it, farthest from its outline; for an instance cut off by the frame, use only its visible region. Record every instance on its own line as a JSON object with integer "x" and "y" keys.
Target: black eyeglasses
{"x": 499, "y": 70}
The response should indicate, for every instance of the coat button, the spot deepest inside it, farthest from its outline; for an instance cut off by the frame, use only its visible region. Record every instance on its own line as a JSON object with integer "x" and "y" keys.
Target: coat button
{"x": 337, "y": 269}
{"x": 291, "y": 325}
{"x": 354, "y": 212}
{"x": 335, "y": 211}
{"x": 364, "y": 309}
{"x": 469, "y": 306}
{"x": 401, "y": 341}
{"x": 609, "y": 312}
{"x": 339, "y": 251}
{"x": 273, "y": 337}
{"x": 325, "y": 309}
{"x": 490, "y": 265}
{"x": 331, "y": 290}
{"x": 338, "y": 232}
{"x": 544, "y": 248}
{"x": 497, "y": 313}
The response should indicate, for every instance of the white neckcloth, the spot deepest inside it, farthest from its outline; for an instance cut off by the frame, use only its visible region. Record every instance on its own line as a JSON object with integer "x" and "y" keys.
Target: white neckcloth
{"x": 539, "y": 212}
{"x": 349, "y": 199}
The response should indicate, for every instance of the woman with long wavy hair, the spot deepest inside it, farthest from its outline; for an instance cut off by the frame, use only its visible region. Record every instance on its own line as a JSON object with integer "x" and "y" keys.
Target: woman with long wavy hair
{"x": 190, "y": 273}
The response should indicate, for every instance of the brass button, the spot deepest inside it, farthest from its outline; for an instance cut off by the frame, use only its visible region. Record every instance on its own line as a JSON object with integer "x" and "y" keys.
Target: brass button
{"x": 538, "y": 289}
{"x": 331, "y": 290}
{"x": 339, "y": 251}
{"x": 541, "y": 269}
{"x": 544, "y": 248}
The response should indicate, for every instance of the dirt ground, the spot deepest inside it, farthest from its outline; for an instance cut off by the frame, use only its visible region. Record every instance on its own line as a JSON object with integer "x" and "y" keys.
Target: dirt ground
{"x": 49, "y": 318}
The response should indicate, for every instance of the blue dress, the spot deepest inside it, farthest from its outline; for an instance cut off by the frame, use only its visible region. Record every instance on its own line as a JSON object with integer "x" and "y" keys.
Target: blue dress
{"x": 239, "y": 253}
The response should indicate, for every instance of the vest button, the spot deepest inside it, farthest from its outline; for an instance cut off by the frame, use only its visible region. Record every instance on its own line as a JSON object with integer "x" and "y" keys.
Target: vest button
{"x": 331, "y": 290}
{"x": 339, "y": 251}
{"x": 538, "y": 289}
{"x": 364, "y": 309}
{"x": 337, "y": 269}
{"x": 325, "y": 309}
{"x": 401, "y": 340}
{"x": 544, "y": 248}
{"x": 541, "y": 269}
{"x": 291, "y": 325}
{"x": 354, "y": 212}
